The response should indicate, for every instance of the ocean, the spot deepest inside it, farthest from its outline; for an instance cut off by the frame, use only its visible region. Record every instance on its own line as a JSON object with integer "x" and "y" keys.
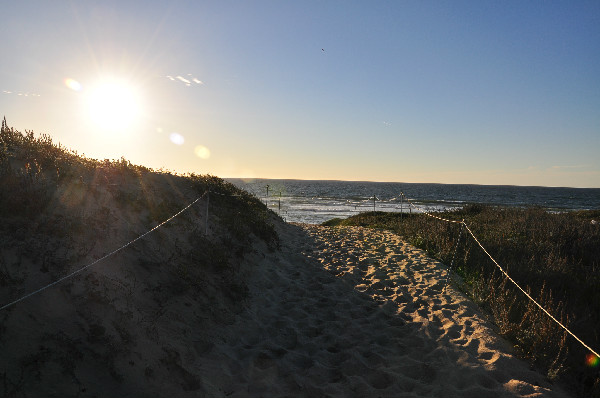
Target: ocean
{"x": 315, "y": 202}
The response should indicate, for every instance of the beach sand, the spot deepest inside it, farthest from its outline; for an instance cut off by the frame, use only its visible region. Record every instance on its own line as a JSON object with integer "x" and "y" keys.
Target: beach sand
{"x": 334, "y": 312}
{"x": 353, "y": 312}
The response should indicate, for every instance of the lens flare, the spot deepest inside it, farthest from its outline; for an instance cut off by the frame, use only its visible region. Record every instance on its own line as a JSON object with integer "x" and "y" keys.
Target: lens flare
{"x": 176, "y": 138}
{"x": 592, "y": 360}
{"x": 73, "y": 84}
{"x": 202, "y": 152}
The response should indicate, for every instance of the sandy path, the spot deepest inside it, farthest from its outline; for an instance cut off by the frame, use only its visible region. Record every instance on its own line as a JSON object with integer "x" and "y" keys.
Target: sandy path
{"x": 359, "y": 313}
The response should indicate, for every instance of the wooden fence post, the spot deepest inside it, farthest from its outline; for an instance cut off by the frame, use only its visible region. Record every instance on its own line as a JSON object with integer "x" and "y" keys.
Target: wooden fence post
{"x": 207, "y": 202}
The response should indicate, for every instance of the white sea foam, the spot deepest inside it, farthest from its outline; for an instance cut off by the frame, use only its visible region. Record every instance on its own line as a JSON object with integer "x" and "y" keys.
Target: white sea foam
{"x": 315, "y": 202}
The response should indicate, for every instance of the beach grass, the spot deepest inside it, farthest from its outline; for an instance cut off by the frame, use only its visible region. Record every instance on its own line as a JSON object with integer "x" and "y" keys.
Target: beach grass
{"x": 555, "y": 257}
{"x": 51, "y": 192}
{"x": 60, "y": 211}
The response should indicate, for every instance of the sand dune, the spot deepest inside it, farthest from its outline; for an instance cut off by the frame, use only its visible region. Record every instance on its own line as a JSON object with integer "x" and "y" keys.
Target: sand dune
{"x": 355, "y": 312}
{"x": 214, "y": 304}
{"x": 333, "y": 313}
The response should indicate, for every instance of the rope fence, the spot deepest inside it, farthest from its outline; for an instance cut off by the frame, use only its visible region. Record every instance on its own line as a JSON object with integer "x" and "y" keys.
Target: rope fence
{"x": 292, "y": 206}
{"x": 81, "y": 269}
{"x": 402, "y": 197}
{"x": 464, "y": 224}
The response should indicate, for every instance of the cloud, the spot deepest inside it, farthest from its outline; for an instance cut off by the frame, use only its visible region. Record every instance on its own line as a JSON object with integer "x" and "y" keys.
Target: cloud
{"x": 8, "y": 92}
{"x": 183, "y": 79}
{"x": 558, "y": 168}
{"x": 188, "y": 81}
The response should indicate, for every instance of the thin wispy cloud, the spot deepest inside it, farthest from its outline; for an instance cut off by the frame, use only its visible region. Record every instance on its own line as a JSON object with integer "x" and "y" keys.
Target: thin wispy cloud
{"x": 8, "y": 92}
{"x": 579, "y": 166}
{"x": 188, "y": 81}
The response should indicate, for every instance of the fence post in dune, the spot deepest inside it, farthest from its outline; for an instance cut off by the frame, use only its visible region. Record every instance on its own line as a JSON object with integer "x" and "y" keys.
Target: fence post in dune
{"x": 374, "y": 203}
{"x": 279, "y": 202}
{"x": 206, "y": 222}
{"x": 267, "y": 197}
{"x": 401, "y": 203}
{"x": 454, "y": 255}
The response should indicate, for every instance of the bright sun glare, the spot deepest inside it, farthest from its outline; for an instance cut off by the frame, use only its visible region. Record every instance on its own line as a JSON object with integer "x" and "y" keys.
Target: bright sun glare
{"x": 113, "y": 105}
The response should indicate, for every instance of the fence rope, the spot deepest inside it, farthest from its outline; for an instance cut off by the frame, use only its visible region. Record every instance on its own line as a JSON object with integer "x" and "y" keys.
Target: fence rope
{"x": 528, "y": 295}
{"x": 428, "y": 213}
{"x": 505, "y": 274}
{"x": 102, "y": 258}
{"x": 451, "y": 268}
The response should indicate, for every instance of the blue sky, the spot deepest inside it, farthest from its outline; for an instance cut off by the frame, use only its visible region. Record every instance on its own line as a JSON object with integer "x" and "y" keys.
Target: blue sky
{"x": 409, "y": 91}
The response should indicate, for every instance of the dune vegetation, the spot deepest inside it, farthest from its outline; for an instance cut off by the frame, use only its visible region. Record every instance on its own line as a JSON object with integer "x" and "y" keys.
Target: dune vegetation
{"x": 143, "y": 320}
{"x": 555, "y": 257}
{"x": 135, "y": 312}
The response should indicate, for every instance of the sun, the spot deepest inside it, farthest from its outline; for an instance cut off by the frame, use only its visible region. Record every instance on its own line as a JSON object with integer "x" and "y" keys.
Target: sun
{"x": 113, "y": 104}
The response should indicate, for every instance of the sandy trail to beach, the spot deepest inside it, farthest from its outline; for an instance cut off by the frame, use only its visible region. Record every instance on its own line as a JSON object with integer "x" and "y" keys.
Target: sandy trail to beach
{"x": 352, "y": 312}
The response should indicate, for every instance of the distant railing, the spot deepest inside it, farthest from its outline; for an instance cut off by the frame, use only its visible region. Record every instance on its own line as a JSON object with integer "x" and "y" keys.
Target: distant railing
{"x": 464, "y": 224}
{"x": 402, "y": 198}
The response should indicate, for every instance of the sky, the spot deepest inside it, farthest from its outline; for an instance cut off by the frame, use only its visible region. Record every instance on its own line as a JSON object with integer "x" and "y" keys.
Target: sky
{"x": 474, "y": 92}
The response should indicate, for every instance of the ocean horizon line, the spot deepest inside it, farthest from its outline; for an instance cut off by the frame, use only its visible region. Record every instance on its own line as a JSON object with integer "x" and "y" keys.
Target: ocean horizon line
{"x": 249, "y": 179}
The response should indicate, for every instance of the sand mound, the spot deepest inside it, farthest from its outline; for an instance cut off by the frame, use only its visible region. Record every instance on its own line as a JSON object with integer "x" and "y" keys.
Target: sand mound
{"x": 355, "y": 312}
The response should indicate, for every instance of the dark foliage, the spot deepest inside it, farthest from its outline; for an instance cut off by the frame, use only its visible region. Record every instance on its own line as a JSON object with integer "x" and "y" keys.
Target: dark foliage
{"x": 46, "y": 191}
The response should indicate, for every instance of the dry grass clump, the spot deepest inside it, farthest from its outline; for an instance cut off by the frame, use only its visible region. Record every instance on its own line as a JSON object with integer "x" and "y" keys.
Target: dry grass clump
{"x": 555, "y": 257}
